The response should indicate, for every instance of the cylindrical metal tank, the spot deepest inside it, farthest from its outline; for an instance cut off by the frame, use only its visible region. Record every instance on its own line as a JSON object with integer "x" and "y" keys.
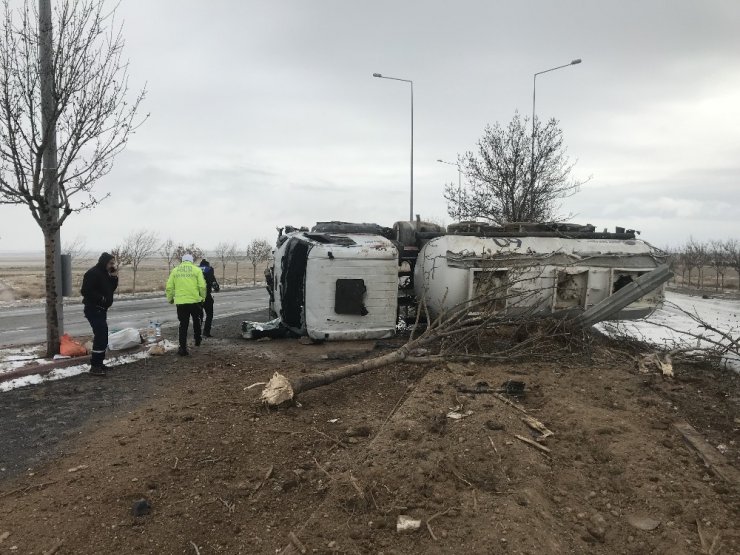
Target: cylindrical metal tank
{"x": 539, "y": 274}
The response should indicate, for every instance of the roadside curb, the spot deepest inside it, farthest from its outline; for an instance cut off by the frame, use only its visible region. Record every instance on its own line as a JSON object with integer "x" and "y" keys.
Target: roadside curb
{"x": 44, "y": 369}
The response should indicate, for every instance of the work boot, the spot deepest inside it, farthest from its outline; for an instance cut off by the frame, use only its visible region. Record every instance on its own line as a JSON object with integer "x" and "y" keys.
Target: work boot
{"x": 207, "y": 334}
{"x": 99, "y": 370}
{"x": 197, "y": 341}
{"x": 182, "y": 352}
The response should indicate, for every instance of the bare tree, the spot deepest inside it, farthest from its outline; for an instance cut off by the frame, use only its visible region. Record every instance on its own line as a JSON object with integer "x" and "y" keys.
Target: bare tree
{"x": 77, "y": 248}
{"x": 700, "y": 253}
{"x": 181, "y": 250}
{"x": 121, "y": 258}
{"x": 732, "y": 252}
{"x": 136, "y": 247}
{"x": 89, "y": 112}
{"x": 509, "y": 182}
{"x": 167, "y": 251}
{"x": 718, "y": 261}
{"x": 237, "y": 257}
{"x": 225, "y": 253}
{"x": 258, "y": 251}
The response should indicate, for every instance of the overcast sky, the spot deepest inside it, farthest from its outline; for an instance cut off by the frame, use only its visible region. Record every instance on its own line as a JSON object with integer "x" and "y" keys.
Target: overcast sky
{"x": 266, "y": 113}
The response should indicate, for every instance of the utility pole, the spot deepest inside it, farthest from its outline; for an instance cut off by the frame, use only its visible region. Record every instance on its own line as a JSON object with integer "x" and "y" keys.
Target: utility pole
{"x": 49, "y": 138}
{"x": 411, "y": 189}
{"x": 534, "y": 127}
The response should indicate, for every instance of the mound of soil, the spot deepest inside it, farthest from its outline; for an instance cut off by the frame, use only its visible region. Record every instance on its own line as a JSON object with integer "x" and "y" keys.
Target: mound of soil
{"x": 195, "y": 465}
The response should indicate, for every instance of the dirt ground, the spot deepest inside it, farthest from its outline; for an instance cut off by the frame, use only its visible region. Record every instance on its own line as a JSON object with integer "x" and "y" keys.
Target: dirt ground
{"x": 224, "y": 475}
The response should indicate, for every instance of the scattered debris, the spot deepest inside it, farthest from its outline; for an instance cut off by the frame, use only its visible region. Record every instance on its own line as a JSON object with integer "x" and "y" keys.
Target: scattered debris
{"x": 643, "y": 522}
{"x": 4, "y": 536}
{"x": 456, "y": 413}
{"x": 77, "y": 468}
{"x": 197, "y": 551}
{"x": 537, "y": 426}
{"x": 652, "y": 360}
{"x": 406, "y": 523}
{"x": 258, "y": 330}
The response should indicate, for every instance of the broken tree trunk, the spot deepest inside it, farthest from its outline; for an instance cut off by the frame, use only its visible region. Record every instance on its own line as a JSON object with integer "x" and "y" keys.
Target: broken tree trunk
{"x": 279, "y": 389}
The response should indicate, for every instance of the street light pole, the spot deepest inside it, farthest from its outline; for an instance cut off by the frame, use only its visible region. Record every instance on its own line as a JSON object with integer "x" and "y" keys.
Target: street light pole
{"x": 534, "y": 127}
{"x": 411, "y": 191}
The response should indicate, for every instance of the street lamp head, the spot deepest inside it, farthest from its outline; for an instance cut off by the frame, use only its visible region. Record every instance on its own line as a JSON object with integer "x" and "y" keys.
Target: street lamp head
{"x": 377, "y": 75}
{"x": 576, "y": 61}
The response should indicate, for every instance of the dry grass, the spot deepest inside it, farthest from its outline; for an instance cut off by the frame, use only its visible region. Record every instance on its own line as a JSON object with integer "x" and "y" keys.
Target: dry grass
{"x": 25, "y": 276}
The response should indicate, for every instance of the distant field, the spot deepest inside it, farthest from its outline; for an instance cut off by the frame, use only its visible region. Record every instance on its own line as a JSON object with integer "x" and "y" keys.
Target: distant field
{"x": 23, "y": 276}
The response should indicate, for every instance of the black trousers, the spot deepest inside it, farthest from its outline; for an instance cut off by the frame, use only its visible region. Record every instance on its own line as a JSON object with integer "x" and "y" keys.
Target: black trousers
{"x": 98, "y": 318}
{"x": 208, "y": 309}
{"x": 184, "y": 313}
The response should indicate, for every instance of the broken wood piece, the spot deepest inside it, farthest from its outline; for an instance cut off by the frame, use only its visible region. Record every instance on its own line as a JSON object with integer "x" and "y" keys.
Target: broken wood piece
{"x": 255, "y": 385}
{"x": 297, "y": 543}
{"x": 713, "y": 459}
{"x": 280, "y": 390}
{"x": 197, "y": 551}
{"x": 532, "y": 443}
{"x": 510, "y": 403}
{"x": 537, "y": 426}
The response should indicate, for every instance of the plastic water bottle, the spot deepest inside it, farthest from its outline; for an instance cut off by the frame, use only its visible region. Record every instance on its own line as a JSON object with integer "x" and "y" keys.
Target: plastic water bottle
{"x": 150, "y": 333}
{"x": 158, "y": 331}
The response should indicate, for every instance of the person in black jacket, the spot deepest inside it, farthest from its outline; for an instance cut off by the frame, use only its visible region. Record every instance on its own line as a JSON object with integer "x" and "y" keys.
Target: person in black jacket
{"x": 211, "y": 285}
{"x": 98, "y": 286}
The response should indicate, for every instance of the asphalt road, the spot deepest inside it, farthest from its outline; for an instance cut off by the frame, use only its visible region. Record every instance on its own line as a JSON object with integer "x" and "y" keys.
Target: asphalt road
{"x": 27, "y": 324}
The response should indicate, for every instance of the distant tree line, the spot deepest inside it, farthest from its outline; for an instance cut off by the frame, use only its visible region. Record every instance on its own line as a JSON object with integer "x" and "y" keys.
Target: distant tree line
{"x": 143, "y": 244}
{"x": 693, "y": 260}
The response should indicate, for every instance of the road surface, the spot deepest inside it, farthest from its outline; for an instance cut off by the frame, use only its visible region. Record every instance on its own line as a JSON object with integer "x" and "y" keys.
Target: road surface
{"x": 27, "y": 324}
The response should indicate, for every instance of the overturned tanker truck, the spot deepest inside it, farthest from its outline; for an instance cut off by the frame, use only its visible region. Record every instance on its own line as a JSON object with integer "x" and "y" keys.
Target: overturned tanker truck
{"x": 342, "y": 281}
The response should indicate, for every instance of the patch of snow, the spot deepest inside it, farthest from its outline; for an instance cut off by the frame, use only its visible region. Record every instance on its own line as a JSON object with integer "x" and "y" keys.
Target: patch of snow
{"x": 61, "y": 373}
{"x": 13, "y": 358}
{"x": 670, "y": 327}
